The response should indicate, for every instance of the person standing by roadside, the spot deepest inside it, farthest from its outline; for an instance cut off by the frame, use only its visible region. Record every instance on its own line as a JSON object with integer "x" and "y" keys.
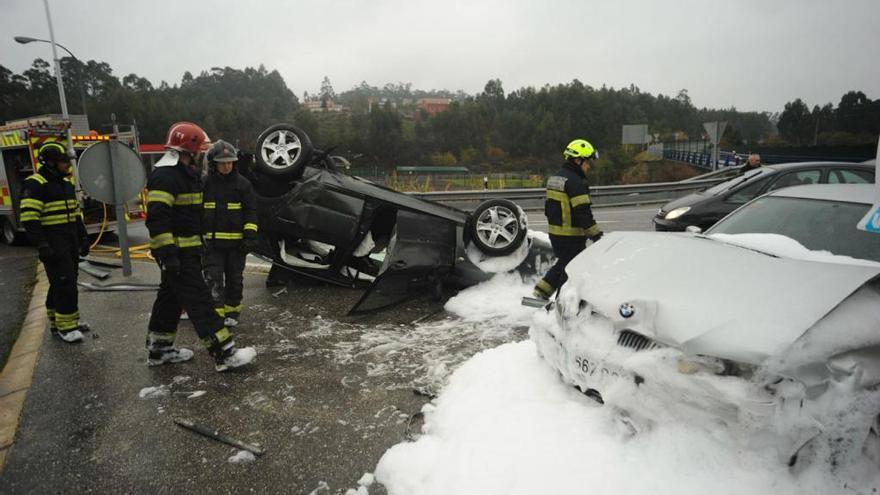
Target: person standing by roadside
{"x": 230, "y": 227}
{"x": 51, "y": 216}
{"x": 569, "y": 216}
{"x": 753, "y": 163}
{"x": 174, "y": 220}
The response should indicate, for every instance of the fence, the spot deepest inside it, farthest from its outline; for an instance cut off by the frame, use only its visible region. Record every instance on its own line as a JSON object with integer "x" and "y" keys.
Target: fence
{"x": 533, "y": 198}
{"x": 468, "y": 182}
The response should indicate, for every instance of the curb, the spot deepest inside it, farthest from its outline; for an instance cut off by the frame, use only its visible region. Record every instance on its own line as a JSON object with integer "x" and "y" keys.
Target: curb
{"x": 15, "y": 379}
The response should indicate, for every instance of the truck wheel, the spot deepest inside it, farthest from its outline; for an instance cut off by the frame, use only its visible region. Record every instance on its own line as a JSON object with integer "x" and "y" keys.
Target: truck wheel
{"x": 497, "y": 227}
{"x": 283, "y": 150}
{"x": 7, "y": 232}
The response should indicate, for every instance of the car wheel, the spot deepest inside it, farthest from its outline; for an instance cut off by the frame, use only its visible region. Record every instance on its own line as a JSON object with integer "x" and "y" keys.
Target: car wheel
{"x": 497, "y": 227}
{"x": 283, "y": 150}
{"x": 7, "y": 232}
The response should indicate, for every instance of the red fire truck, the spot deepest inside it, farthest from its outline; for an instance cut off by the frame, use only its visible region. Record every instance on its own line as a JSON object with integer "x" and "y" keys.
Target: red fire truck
{"x": 19, "y": 144}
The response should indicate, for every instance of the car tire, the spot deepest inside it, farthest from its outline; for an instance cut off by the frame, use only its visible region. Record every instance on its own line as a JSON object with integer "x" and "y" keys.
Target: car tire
{"x": 497, "y": 227}
{"x": 283, "y": 150}
{"x": 7, "y": 232}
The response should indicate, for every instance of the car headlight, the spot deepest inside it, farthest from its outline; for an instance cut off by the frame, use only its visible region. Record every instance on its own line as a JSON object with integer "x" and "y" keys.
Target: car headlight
{"x": 689, "y": 365}
{"x": 672, "y": 215}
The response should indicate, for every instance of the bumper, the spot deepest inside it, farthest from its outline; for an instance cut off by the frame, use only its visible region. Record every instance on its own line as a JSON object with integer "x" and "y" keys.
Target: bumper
{"x": 663, "y": 225}
{"x": 647, "y": 389}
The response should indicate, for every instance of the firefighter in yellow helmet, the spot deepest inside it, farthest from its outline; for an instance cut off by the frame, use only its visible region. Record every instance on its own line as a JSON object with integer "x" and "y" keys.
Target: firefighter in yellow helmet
{"x": 569, "y": 216}
{"x": 54, "y": 222}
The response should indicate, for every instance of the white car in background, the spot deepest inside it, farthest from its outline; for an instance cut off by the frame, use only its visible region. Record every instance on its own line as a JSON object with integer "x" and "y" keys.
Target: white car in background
{"x": 768, "y": 324}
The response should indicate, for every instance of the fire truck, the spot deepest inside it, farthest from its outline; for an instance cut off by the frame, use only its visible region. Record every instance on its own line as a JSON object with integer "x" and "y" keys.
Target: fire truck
{"x": 20, "y": 142}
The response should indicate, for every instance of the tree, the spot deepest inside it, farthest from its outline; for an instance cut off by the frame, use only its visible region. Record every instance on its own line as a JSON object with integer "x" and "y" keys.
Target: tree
{"x": 795, "y": 123}
{"x": 327, "y": 93}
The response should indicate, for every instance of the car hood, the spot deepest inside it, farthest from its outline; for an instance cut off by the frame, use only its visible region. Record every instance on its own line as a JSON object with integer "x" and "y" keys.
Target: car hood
{"x": 709, "y": 297}
{"x": 689, "y": 200}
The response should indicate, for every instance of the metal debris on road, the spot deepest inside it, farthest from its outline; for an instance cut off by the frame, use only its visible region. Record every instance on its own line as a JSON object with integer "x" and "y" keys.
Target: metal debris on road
{"x": 534, "y": 302}
{"x": 220, "y": 437}
{"x": 117, "y": 287}
{"x": 94, "y": 270}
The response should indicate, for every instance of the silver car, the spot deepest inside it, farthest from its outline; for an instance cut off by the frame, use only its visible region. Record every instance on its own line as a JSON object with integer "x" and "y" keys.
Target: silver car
{"x": 768, "y": 324}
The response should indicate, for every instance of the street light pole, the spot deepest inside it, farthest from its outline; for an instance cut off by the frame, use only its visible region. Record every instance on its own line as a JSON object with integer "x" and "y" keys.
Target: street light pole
{"x": 82, "y": 91}
{"x": 64, "y": 113}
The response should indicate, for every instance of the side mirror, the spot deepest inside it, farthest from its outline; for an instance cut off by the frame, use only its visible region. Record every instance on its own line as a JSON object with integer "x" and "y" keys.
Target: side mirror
{"x": 693, "y": 229}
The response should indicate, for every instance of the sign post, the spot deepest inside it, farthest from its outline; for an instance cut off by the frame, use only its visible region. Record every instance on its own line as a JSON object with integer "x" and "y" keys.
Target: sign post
{"x": 111, "y": 172}
{"x": 715, "y": 130}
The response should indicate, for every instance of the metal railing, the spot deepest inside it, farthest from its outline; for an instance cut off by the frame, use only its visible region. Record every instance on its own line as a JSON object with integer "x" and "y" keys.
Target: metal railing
{"x": 533, "y": 198}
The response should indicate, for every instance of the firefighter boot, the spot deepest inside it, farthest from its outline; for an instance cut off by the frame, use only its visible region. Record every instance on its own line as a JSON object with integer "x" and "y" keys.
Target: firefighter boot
{"x": 162, "y": 351}
{"x": 169, "y": 354}
{"x": 543, "y": 290}
{"x": 71, "y": 337}
{"x": 229, "y": 357}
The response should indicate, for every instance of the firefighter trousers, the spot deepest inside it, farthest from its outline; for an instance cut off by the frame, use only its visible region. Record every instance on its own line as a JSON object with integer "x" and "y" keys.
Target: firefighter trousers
{"x": 62, "y": 300}
{"x": 224, "y": 273}
{"x": 565, "y": 248}
{"x": 186, "y": 291}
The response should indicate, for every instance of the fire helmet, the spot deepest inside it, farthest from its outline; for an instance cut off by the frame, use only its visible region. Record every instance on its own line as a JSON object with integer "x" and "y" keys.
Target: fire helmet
{"x": 221, "y": 151}
{"x": 580, "y": 148}
{"x": 186, "y": 136}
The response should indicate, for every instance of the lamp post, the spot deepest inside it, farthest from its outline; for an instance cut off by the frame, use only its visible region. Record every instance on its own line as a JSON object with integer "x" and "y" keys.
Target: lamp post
{"x": 82, "y": 92}
{"x": 64, "y": 114}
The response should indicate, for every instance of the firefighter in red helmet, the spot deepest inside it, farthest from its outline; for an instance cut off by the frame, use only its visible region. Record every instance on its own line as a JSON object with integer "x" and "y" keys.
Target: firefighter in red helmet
{"x": 174, "y": 220}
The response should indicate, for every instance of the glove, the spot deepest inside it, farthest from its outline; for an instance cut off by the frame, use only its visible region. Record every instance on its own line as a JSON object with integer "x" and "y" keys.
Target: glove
{"x": 596, "y": 237}
{"x": 250, "y": 245}
{"x": 170, "y": 265}
{"x": 84, "y": 247}
{"x": 45, "y": 253}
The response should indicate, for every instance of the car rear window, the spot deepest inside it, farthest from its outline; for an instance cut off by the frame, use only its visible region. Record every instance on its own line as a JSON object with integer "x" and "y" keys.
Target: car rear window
{"x": 818, "y": 225}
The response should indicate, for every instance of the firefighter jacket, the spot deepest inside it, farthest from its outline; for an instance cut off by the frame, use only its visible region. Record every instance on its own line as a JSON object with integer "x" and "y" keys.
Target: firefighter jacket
{"x": 568, "y": 204}
{"x": 174, "y": 211}
{"x": 230, "y": 213}
{"x": 49, "y": 207}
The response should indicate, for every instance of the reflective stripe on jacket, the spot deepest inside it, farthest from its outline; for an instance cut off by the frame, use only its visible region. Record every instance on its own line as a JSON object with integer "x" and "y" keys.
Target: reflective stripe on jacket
{"x": 174, "y": 211}
{"x": 230, "y": 213}
{"x": 49, "y": 205}
{"x": 568, "y": 204}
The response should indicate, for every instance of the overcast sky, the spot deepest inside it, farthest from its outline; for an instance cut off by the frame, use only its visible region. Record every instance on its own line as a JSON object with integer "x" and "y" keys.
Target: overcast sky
{"x": 754, "y": 55}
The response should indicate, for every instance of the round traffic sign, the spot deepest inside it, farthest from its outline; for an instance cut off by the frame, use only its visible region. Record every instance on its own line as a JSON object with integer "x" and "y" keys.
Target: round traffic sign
{"x": 108, "y": 165}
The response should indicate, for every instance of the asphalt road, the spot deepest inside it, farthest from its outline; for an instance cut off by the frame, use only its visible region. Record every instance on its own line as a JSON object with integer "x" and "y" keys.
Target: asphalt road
{"x": 17, "y": 268}
{"x": 609, "y": 219}
{"x": 327, "y": 395}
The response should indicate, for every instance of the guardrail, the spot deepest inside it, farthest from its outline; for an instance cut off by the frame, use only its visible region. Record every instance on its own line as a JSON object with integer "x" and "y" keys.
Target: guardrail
{"x": 533, "y": 198}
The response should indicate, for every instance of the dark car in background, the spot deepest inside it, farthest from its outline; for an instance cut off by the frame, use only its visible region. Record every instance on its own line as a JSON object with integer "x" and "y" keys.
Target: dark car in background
{"x": 704, "y": 208}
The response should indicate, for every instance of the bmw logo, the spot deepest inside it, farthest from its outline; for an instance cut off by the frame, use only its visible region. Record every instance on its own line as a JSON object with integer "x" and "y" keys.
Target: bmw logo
{"x": 627, "y": 310}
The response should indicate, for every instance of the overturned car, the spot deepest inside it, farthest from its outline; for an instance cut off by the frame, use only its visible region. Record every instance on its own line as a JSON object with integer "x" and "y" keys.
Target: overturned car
{"x": 319, "y": 223}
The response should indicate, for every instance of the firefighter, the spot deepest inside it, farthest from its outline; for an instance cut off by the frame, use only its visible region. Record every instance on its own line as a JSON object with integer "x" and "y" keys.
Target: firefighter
{"x": 569, "y": 216}
{"x": 174, "y": 220}
{"x": 230, "y": 223}
{"x": 54, "y": 222}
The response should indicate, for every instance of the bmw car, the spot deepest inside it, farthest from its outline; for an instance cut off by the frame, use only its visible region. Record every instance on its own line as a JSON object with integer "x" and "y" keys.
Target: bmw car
{"x": 771, "y": 332}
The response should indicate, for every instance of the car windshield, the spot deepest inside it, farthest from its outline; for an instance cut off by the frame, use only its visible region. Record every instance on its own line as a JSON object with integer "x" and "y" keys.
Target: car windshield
{"x": 730, "y": 184}
{"x": 819, "y": 225}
